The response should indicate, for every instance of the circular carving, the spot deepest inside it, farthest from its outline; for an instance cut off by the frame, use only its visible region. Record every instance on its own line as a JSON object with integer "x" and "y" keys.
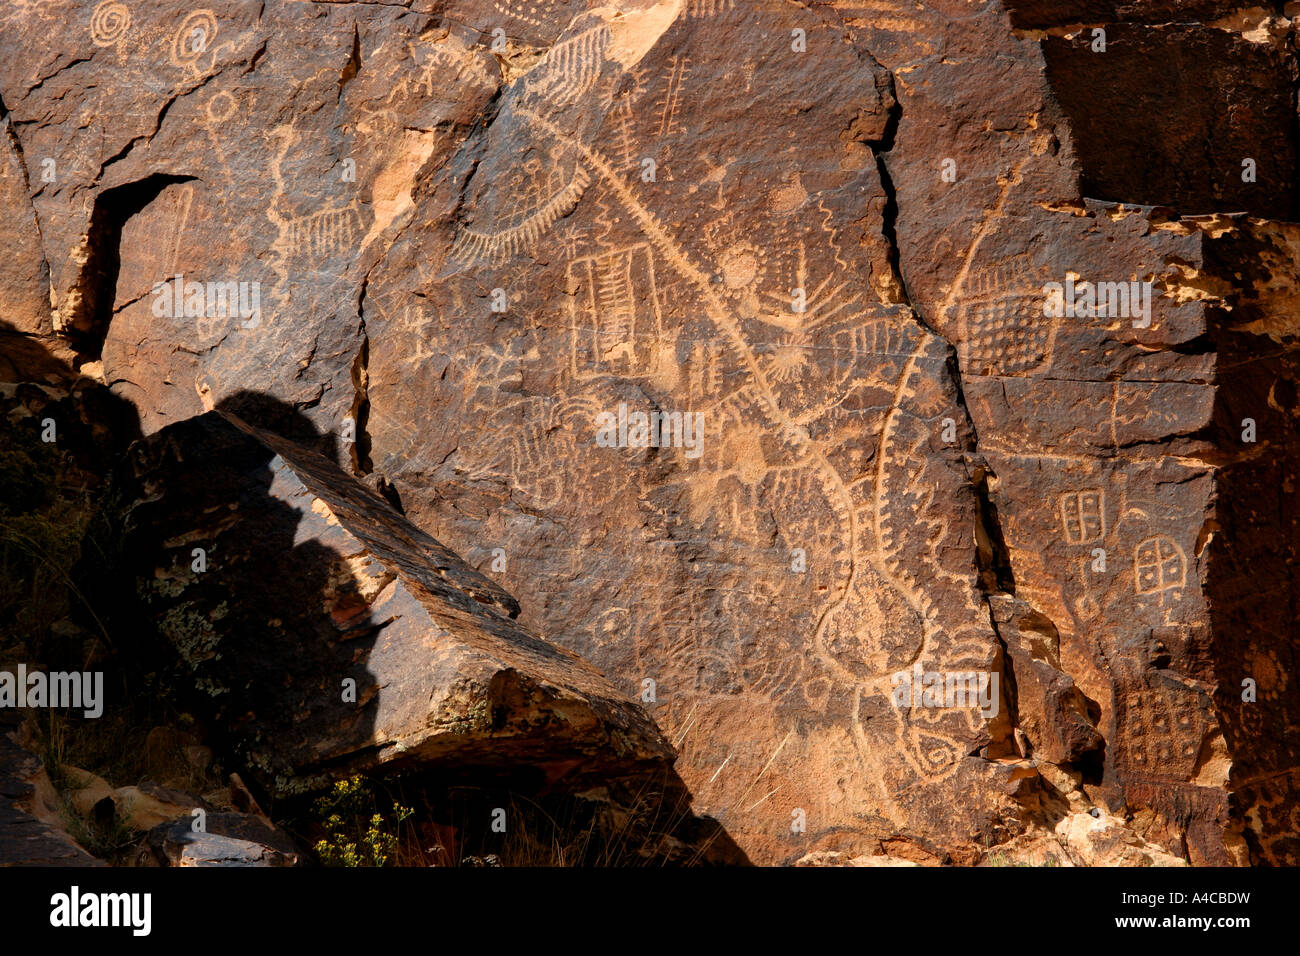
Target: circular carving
{"x": 109, "y": 23}
{"x": 194, "y": 37}
{"x": 221, "y": 107}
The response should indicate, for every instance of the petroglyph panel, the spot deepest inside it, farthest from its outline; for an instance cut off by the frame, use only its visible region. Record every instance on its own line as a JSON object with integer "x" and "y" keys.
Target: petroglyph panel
{"x": 776, "y": 566}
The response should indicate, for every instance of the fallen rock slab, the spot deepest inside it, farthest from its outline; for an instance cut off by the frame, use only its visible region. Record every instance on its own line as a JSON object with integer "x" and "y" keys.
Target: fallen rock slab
{"x": 324, "y": 634}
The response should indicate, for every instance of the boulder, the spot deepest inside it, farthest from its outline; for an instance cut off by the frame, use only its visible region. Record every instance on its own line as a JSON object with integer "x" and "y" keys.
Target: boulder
{"x": 228, "y": 840}
{"x": 146, "y": 806}
{"x": 326, "y": 635}
{"x": 85, "y": 790}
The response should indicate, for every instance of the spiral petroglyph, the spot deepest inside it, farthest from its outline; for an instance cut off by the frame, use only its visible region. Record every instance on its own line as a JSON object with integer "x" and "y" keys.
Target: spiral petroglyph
{"x": 193, "y": 38}
{"x": 109, "y": 23}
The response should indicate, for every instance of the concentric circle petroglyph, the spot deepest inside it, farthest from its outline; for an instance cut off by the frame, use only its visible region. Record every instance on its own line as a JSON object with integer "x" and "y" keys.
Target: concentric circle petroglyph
{"x": 193, "y": 37}
{"x": 109, "y": 23}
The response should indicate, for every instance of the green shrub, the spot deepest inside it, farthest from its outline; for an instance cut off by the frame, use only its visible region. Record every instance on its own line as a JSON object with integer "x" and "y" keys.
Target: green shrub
{"x": 356, "y": 833}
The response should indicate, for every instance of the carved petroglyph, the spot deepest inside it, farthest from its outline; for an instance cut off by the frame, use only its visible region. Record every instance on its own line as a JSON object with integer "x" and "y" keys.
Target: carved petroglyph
{"x": 614, "y": 301}
{"x": 537, "y": 13}
{"x": 625, "y": 145}
{"x": 703, "y": 9}
{"x": 530, "y": 197}
{"x": 194, "y": 38}
{"x": 325, "y": 233}
{"x": 545, "y": 195}
{"x": 1001, "y": 319}
{"x": 670, "y": 101}
{"x": 546, "y": 211}
{"x": 1001, "y": 328}
{"x": 449, "y": 64}
{"x": 1159, "y": 565}
{"x": 878, "y": 612}
{"x": 704, "y": 372}
{"x": 109, "y": 23}
{"x": 1083, "y": 516}
{"x": 1164, "y": 730}
{"x": 183, "y": 199}
{"x": 527, "y": 442}
{"x": 819, "y": 303}
{"x": 176, "y": 206}
{"x": 220, "y": 109}
{"x": 569, "y": 69}
{"x": 821, "y": 409}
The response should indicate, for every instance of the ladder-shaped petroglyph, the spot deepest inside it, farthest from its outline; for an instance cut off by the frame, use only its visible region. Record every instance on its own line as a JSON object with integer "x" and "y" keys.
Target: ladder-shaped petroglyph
{"x": 614, "y": 301}
{"x": 1083, "y": 516}
{"x": 181, "y": 199}
{"x": 328, "y": 232}
{"x": 704, "y": 9}
{"x": 669, "y": 104}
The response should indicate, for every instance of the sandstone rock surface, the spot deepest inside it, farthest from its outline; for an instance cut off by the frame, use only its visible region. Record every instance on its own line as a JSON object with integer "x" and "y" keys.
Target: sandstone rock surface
{"x": 475, "y": 228}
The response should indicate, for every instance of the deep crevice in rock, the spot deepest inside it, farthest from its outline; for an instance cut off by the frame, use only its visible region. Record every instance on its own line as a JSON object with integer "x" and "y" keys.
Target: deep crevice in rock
{"x": 89, "y": 310}
{"x": 993, "y": 556}
{"x": 360, "y": 451}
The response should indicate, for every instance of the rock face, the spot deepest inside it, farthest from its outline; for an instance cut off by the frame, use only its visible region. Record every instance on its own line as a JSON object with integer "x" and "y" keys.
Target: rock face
{"x": 29, "y": 836}
{"x": 849, "y": 256}
{"x": 330, "y": 635}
